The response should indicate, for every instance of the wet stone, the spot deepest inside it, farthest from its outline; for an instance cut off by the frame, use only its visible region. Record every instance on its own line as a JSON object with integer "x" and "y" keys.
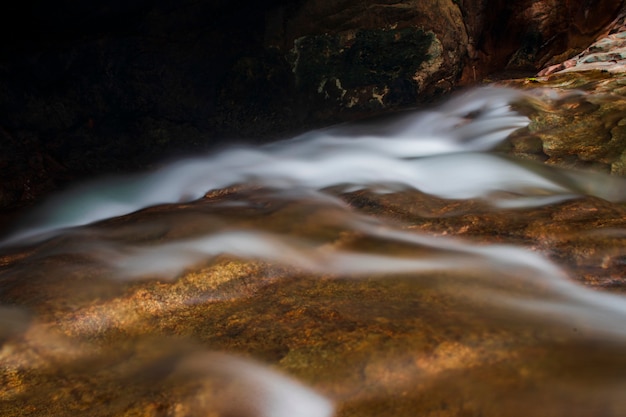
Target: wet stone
{"x": 578, "y": 119}
{"x": 423, "y": 342}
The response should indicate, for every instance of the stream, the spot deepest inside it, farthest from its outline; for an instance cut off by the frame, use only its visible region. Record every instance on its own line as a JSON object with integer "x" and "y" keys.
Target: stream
{"x": 398, "y": 266}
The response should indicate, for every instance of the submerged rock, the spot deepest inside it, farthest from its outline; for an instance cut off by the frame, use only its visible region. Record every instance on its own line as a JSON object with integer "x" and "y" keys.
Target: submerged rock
{"x": 400, "y": 302}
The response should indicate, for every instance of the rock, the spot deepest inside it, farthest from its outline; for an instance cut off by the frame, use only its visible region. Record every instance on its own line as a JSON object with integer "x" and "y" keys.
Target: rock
{"x": 607, "y": 54}
{"x": 577, "y": 121}
{"x": 367, "y": 57}
{"x": 577, "y": 233}
{"x": 528, "y": 35}
{"x": 426, "y": 342}
{"x": 348, "y": 72}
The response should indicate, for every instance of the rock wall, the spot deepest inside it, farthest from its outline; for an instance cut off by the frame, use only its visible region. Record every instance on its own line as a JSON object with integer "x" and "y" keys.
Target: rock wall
{"x": 528, "y": 35}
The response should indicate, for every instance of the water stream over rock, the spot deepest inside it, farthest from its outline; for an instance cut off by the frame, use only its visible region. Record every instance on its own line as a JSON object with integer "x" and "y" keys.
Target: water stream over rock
{"x": 391, "y": 267}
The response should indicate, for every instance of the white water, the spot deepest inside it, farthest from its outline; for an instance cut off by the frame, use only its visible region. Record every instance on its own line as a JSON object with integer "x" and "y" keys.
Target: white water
{"x": 442, "y": 152}
{"x": 409, "y": 152}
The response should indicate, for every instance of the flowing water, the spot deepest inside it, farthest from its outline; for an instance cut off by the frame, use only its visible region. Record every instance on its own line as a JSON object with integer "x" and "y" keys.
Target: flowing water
{"x": 391, "y": 267}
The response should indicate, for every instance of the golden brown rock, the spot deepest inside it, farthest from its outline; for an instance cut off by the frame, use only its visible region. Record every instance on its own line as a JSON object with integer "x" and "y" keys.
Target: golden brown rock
{"x": 443, "y": 342}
